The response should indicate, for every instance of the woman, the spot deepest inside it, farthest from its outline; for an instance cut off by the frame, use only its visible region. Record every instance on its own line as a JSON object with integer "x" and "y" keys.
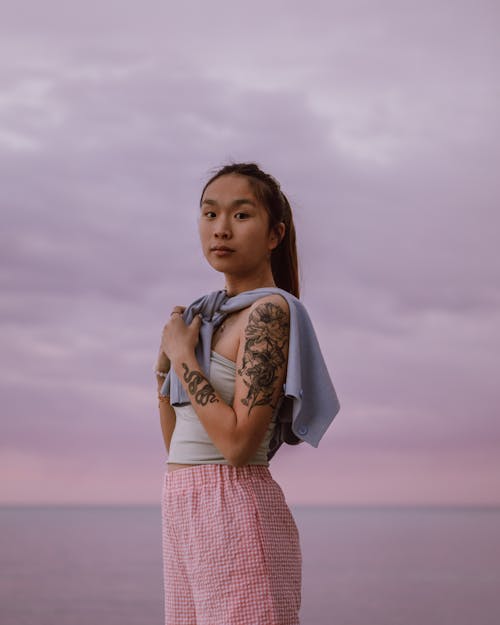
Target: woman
{"x": 231, "y": 547}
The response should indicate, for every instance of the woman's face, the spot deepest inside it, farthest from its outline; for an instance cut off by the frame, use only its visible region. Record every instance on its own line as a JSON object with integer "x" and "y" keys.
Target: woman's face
{"x": 232, "y": 217}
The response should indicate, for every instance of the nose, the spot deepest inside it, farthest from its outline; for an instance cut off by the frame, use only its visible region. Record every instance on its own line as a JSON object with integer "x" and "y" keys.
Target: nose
{"x": 222, "y": 229}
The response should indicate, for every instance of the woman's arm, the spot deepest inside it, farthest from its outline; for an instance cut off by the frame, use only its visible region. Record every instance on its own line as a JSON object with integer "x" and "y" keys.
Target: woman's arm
{"x": 167, "y": 417}
{"x": 238, "y": 430}
{"x": 167, "y": 413}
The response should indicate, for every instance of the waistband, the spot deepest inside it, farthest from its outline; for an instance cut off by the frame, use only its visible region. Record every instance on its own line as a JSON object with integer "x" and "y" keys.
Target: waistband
{"x": 206, "y": 474}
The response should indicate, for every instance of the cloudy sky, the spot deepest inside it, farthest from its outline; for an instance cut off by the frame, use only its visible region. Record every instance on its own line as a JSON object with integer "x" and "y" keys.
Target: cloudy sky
{"x": 379, "y": 119}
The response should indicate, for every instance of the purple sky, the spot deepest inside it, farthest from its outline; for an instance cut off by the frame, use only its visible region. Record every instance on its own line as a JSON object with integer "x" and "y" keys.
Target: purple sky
{"x": 380, "y": 120}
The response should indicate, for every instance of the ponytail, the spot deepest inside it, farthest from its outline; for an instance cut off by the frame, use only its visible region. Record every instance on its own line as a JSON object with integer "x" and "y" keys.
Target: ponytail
{"x": 284, "y": 261}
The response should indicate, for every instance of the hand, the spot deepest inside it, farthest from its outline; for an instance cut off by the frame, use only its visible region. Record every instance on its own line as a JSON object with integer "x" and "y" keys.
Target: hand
{"x": 163, "y": 362}
{"x": 179, "y": 338}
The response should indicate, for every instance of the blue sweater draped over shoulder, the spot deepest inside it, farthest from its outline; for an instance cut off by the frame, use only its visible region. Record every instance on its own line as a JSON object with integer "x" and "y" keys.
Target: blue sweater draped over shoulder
{"x": 310, "y": 403}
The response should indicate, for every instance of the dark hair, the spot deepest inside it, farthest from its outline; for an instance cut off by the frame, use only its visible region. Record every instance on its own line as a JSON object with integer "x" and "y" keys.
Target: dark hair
{"x": 284, "y": 262}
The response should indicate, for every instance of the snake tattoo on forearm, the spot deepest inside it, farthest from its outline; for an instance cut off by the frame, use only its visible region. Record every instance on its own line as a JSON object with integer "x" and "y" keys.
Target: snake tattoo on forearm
{"x": 203, "y": 395}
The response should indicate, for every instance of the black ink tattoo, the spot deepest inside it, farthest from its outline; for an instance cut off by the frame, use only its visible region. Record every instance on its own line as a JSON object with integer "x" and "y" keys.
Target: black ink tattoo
{"x": 203, "y": 395}
{"x": 266, "y": 338}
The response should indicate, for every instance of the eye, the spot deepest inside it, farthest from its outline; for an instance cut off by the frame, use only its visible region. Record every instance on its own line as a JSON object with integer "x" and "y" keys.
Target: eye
{"x": 208, "y": 213}
{"x": 244, "y": 215}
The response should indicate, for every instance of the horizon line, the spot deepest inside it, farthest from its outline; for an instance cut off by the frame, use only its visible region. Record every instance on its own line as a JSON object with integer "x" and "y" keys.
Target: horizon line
{"x": 488, "y": 506}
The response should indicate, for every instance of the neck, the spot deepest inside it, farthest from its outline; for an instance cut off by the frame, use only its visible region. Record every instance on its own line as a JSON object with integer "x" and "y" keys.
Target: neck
{"x": 238, "y": 284}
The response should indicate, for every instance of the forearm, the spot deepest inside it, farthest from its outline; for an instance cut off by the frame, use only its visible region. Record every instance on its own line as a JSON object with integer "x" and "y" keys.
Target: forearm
{"x": 216, "y": 416}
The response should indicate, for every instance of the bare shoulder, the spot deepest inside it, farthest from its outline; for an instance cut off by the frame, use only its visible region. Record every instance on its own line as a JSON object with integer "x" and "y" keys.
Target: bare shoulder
{"x": 273, "y": 305}
{"x": 267, "y": 325}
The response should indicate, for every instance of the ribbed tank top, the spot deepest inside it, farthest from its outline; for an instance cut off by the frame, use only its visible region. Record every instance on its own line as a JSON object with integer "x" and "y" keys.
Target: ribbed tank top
{"x": 190, "y": 443}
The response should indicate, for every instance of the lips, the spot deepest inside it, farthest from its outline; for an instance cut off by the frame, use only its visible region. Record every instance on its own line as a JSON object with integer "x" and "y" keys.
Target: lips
{"x": 221, "y": 248}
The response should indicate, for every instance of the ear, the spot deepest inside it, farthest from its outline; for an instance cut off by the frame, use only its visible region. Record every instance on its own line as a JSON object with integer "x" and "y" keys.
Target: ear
{"x": 277, "y": 235}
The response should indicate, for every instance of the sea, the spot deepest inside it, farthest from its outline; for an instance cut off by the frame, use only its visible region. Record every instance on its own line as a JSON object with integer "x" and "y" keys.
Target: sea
{"x": 362, "y": 565}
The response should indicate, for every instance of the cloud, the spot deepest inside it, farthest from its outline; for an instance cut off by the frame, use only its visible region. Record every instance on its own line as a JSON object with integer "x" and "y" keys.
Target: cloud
{"x": 379, "y": 123}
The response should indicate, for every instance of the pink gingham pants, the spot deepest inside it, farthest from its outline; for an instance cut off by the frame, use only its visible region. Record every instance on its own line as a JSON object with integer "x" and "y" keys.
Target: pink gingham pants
{"x": 231, "y": 549}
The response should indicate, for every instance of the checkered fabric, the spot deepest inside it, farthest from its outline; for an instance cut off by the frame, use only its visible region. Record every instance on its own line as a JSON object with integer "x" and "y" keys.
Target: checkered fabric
{"x": 231, "y": 549}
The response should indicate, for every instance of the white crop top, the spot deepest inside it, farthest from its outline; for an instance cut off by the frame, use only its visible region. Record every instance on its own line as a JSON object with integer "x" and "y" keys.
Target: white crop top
{"x": 190, "y": 443}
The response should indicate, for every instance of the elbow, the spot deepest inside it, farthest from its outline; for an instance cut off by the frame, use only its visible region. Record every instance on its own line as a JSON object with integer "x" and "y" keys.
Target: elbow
{"x": 234, "y": 458}
{"x": 239, "y": 457}
{"x": 237, "y": 462}
{"x": 241, "y": 448}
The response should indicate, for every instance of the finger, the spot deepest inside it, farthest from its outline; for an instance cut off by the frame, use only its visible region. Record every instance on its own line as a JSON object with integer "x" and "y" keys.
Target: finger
{"x": 196, "y": 319}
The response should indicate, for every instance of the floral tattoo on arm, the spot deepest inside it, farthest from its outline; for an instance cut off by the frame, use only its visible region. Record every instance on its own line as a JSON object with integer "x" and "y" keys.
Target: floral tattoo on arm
{"x": 203, "y": 395}
{"x": 266, "y": 337}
